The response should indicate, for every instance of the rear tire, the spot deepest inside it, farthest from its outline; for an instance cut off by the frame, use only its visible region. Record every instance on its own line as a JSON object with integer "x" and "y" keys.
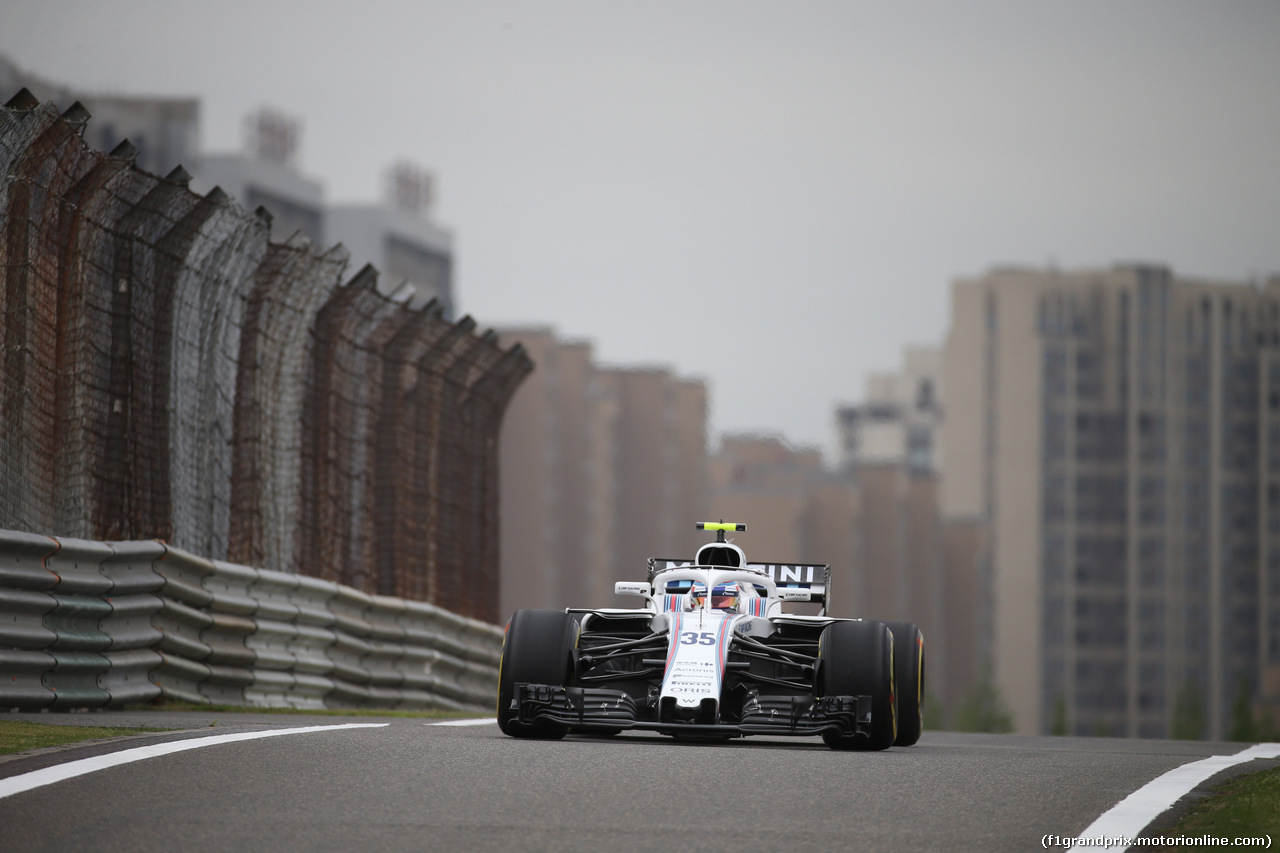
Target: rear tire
{"x": 537, "y": 648}
{"x": 908, "y": 680}
{"x": 856, "y": 659}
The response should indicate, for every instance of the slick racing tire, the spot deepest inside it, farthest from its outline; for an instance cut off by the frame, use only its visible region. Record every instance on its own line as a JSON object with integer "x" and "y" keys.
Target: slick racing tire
{"x": 537, "y": 648}
{"x": 908, "y": 680}
{"x": 856, "y": 659}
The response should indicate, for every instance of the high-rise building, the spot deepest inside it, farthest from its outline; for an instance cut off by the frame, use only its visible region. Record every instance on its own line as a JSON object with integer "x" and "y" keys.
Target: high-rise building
{"x": 898, "y": 421}
{"x": 763, "y": 482}
{"x": 528, "y": 501}
{"x": 1113, "y": 438}
{"x": 601, "y": 469}
{"x": 889, "y": 446}
{"x": 795, "y": 510}
{"x": 266, "y": 175}
{"x": 398, "y": 236}
{"x": 166, "y": 131}
{"x": 552, "y": 477}
{"x": 660, "y": 439}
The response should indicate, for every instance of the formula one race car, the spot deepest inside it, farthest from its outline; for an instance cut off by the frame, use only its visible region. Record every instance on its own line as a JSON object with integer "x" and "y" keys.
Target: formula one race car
{"x": 712, "y": 655}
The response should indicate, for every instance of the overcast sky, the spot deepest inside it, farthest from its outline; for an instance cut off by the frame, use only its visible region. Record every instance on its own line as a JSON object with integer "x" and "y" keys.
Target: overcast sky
{"x": 773, "y": 196}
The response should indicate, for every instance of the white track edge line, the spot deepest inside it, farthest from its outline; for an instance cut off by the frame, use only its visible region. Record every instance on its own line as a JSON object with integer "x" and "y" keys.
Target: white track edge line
{"x": 481, "y": 722}
{"x": 1131, "y": 815}
{"x": 59, "y": 772}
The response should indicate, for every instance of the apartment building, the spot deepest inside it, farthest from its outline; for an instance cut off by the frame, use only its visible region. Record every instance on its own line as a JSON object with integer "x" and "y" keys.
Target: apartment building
{"x": 164, "y": 130}
{"x": 1115, "y": 434}
{"x": 265, "y": 174}
{"x": 763, "y": 482}
{"x": 397, "y": 235}
{"x": 911, "y": 566}
{"x": 602, "y": 468}
{"x": 899, "y": 420}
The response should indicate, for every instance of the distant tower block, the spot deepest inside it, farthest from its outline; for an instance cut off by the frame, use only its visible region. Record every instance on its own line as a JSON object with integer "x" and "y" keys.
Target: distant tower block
{"x": 409, "y": 187}
{"x": 272, "y": 136}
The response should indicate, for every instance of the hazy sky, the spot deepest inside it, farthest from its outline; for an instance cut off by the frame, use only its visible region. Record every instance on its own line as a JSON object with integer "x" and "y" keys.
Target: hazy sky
{"x": 773, "y": 196}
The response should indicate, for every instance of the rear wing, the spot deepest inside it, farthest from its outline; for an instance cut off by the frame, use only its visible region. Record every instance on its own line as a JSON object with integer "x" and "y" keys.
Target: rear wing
{"x": 815, "y": 577}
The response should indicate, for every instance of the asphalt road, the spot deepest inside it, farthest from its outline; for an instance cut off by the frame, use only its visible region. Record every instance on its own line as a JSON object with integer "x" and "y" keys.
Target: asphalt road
{"x": 420, "y": 787}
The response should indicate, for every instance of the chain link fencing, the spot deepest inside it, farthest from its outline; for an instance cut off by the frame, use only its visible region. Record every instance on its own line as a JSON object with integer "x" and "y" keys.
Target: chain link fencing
{"x": 169, "y": 373}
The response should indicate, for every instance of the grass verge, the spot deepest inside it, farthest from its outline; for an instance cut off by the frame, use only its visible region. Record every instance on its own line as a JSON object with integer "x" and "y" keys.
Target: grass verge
{"x": 319, "y": 712}
{"x": 17, "y": 736}
{"x": 1245, "y": 806}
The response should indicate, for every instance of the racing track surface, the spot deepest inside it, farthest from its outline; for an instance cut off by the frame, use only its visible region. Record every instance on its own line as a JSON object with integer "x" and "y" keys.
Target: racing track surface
{"x": 416, "y": 787}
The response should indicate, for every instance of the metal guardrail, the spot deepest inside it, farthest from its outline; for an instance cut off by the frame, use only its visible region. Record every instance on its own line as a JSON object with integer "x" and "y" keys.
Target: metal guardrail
{"x": 90, "y": 624}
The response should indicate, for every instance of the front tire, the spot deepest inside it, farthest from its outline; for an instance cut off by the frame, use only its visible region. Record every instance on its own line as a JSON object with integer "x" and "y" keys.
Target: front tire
{"x": 908, "y": 680}
{"x": 537, "y": 648}
{"x": 856, "y": 659}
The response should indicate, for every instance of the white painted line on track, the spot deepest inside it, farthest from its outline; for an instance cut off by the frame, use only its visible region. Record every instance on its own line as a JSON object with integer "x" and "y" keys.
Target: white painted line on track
{"x": 1131, "y": 815}
{"x": 486, "y": 722}
{"x": 49, "y": 775}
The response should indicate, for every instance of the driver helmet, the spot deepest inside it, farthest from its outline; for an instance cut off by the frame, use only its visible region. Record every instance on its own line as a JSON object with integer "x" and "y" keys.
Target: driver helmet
{"x": 724, "y": 596}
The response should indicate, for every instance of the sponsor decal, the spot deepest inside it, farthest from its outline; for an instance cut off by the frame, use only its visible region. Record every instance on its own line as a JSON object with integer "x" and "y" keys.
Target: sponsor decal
{"x": 811, "y": 575}
{"x": 781, "y": 573}
{"x": 698, "y": 646}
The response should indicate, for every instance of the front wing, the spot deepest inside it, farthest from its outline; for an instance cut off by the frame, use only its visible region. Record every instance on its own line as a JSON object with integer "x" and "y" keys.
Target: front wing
{"x": 614, "y": 710}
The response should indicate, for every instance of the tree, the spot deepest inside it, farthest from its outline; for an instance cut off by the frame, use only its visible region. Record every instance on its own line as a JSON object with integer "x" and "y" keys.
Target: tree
{"x": 1243, "y": 726}
{"x": 934, "y": 716}
{"x": 1059, "y": 725}
{"x": 1268, "y": 732}
{"x": 984, "y": 709}
{"x": 1188, "y": 715}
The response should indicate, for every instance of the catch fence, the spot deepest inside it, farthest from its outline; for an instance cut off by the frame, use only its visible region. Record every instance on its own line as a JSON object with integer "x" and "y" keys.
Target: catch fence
{"x": 170, "y": 373}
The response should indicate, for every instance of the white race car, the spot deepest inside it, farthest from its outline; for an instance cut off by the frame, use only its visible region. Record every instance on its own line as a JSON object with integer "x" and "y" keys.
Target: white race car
{"x": 712, "y": 654}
